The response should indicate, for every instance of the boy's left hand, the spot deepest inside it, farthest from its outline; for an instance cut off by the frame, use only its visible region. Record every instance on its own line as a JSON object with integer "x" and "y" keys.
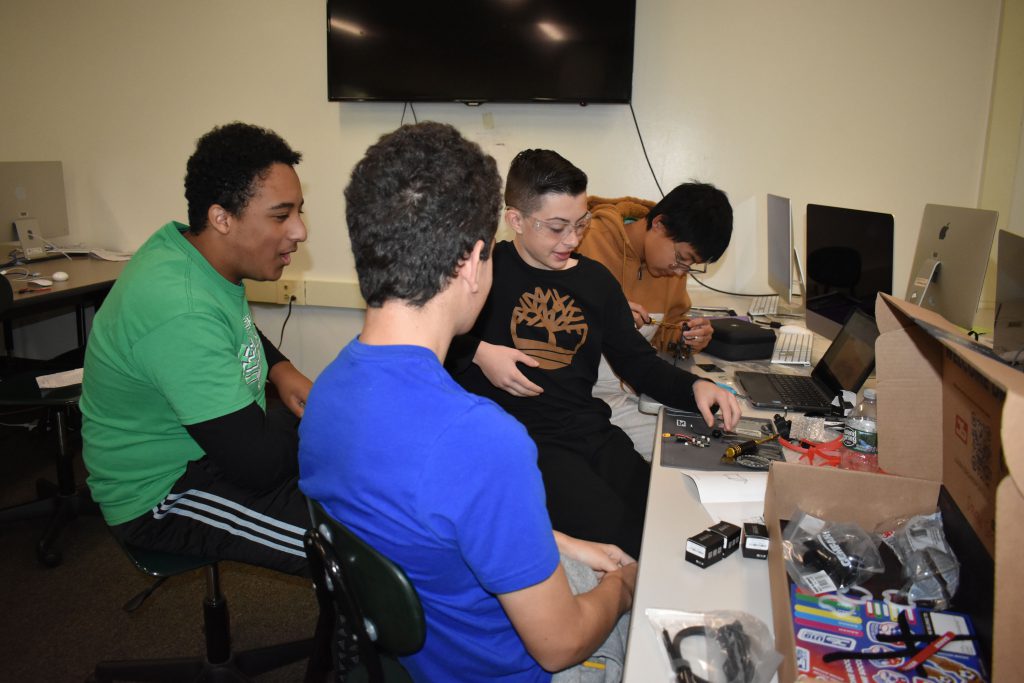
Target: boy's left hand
{"x": 697, "y": 333}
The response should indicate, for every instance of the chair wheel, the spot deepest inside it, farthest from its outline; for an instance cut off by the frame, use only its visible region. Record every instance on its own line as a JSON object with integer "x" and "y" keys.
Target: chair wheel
{"x": 49, "y": 558}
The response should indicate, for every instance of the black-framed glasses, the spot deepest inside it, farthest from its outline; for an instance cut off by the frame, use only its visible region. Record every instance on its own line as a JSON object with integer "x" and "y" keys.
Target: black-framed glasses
{"x": 685, "y": 264}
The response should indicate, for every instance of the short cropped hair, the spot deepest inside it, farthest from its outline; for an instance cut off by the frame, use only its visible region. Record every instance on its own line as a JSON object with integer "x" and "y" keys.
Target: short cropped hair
{"x": 698, "y": 214}
{"x": 228, "y": 166}
{"x": 538, "y": 172}
{"x": 417, "y": 202}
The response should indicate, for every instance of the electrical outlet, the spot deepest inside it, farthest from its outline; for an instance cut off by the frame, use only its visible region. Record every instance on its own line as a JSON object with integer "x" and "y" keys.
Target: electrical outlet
{"x": 286, "y": 289}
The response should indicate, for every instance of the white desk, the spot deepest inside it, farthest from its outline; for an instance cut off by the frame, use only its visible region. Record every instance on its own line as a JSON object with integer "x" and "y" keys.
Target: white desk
{"x": 666, "y": 580}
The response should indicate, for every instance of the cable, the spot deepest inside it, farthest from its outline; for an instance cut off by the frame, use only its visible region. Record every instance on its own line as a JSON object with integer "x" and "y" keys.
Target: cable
{"x": 644, "y": 148}
{"x": 413, "y": 110}
{"x": 722, "y": 291}
{"x": 405, "y": 105}
{"x": 280, "y": 341}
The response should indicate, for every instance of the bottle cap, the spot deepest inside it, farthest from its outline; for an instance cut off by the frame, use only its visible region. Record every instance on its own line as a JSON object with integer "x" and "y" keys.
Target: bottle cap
{"x": 869, "y": 394}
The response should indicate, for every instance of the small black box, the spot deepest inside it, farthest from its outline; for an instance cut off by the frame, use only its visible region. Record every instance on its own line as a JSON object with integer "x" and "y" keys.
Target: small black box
{"x": 731, "y": 535}
{"x": 704, "y": 549}
{"x": 736, "y": 339}
{"x": 755, "y": 541}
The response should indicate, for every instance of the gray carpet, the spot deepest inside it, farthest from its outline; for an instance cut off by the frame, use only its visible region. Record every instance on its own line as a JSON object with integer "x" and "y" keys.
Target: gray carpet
{"x": 55, "y": 624}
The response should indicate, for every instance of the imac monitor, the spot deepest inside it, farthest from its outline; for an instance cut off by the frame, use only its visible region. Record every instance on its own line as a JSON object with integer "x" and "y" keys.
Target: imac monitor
{"x": 32, "y": 191}
{"x": 1008, "y": 332}
{"x": 849, "y": 261}
{"x": 952, "y": 253}
{"x": 780, "y": 247}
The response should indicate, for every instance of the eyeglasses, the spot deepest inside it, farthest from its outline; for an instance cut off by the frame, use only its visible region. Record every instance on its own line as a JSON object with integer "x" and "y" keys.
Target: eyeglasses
{"x": 684, "y": 264}
{"x": 559, "y": 227}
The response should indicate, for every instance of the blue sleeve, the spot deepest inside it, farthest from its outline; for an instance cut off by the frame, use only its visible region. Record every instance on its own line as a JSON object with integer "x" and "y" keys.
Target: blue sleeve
{"x": 494, "y": 506}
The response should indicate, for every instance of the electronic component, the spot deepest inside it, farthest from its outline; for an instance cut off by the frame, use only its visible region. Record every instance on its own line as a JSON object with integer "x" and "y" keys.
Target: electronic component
{"x": 730, "y": 534}
{"x": 755, "y": 541}
{"x": 704, "y": 549}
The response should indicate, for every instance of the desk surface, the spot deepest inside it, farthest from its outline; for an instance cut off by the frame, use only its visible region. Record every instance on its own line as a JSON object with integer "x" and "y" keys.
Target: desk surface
{"x": 666, "y": 580}
{"x": 85, "y": 274}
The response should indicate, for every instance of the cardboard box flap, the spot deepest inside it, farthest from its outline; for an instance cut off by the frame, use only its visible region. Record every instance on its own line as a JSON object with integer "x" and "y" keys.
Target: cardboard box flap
{"x": 896, "y": 318}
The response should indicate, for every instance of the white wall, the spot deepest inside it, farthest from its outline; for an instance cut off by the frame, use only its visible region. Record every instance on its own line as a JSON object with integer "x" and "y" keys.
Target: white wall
{"x": 874, "y": 105}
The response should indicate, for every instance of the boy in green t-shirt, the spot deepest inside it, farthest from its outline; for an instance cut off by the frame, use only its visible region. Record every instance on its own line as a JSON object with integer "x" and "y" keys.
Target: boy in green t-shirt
{"x": 183, "y": 455}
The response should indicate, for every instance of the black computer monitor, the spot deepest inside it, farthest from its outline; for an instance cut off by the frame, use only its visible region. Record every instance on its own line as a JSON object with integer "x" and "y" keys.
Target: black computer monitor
{"x": 1008, "y": 331}
{"x": 849, "y": 261}
{"x": 952, "y": 254}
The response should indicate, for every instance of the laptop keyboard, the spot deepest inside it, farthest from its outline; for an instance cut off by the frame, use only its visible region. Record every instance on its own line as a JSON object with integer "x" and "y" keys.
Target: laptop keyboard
{"x": 796, "y": 390}
{"x": 764, "y": 305}
{"x": 793, "y": 348}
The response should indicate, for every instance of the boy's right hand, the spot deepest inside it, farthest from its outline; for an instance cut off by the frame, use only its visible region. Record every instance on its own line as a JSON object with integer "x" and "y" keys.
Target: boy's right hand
{"x": 498, "y": 363}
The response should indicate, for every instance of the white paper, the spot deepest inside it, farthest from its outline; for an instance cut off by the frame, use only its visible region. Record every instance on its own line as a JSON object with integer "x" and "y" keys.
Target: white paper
{"x": 60, "y": 379}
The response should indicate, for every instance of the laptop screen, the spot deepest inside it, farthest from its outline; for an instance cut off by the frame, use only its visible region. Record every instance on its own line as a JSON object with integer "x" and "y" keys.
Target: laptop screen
{"x": 851, "y": 357}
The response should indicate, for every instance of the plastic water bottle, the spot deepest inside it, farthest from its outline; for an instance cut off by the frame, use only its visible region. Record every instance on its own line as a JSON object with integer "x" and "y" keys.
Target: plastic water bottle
{"x": 860, "y": 437}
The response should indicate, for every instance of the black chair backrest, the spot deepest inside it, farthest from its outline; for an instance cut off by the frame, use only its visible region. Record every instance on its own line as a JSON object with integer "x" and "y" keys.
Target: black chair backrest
{"x": 367, "y": 588}
{"x": 6, "y": 294}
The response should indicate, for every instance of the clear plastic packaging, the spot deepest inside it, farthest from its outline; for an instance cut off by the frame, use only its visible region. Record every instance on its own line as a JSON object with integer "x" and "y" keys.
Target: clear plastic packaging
{"x": 930, "y": 568}
{"x": 860, "y": 436}
{"x": 717, "y": 647}
{"x": 823, "y": 557}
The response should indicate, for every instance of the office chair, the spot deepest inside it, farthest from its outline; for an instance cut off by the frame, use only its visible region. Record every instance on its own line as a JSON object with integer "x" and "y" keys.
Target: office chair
{"x": 381, "y": 617}
{"x": 218, "y": 663}
{"x": 63, "y": 501}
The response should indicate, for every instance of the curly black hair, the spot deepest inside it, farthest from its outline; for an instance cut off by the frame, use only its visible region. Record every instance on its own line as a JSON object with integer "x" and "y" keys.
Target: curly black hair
{"x": 416, "y": 204}
{"x": 537, "y": 172}
{"x": 228, "y": 166}
{"x": 700, "y": 215}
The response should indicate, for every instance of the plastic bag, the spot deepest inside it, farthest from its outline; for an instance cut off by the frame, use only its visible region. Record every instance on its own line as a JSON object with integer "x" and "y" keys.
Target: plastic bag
{"x": 930, "y": 568}
{"x": 718, "y": 647}
{"x": 822, "y": 557}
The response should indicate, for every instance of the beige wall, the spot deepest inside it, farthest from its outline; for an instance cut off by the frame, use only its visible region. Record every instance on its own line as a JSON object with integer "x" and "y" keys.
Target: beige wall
{"x": 877, "y": 105}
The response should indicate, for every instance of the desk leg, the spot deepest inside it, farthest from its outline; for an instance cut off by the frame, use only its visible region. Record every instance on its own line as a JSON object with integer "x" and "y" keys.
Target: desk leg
{"x": 80, "y": 324}
{"x": 8, "y": 337}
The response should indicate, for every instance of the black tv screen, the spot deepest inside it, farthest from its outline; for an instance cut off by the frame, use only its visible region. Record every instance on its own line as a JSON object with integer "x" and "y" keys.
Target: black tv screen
{"x": 480, "y": 50}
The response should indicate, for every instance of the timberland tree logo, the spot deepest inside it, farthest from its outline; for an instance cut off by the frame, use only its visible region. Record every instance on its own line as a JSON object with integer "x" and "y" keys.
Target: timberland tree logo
{"x": 548, "y": 327}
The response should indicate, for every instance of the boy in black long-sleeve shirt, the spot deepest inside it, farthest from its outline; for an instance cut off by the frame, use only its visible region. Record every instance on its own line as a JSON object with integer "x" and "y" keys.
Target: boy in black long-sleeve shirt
{"x": 536, "y": 346}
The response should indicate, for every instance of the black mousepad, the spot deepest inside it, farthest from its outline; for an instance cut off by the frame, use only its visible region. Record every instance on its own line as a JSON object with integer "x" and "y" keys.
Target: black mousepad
{"x": 678, "y": 453}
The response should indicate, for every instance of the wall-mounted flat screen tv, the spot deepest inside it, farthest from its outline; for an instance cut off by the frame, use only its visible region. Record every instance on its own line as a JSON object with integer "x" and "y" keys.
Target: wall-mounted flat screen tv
{"x": 480, "y": 50}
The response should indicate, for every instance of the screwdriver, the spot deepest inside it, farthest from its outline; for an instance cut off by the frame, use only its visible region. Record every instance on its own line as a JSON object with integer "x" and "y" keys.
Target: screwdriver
{"x": 747, "y": 447}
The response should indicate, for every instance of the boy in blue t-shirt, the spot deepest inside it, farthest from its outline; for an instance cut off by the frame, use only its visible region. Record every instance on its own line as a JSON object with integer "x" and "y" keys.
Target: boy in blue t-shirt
{"x": 443, "y": 482}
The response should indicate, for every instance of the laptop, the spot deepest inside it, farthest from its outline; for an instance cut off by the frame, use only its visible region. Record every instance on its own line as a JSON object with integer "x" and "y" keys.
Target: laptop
{"x": 847, "y": 363}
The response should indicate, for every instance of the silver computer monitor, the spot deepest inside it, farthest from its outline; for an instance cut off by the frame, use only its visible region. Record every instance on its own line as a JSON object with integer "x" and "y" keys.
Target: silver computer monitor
{"x": 949, "y": 264}
{"x": 32, "y": 190}
{"x": 780, "y": 247}
{"x": 1008, "y": 331}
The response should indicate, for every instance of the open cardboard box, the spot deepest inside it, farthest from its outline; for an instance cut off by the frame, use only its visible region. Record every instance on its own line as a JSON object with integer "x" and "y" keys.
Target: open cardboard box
{"x": 948, "y": 416}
